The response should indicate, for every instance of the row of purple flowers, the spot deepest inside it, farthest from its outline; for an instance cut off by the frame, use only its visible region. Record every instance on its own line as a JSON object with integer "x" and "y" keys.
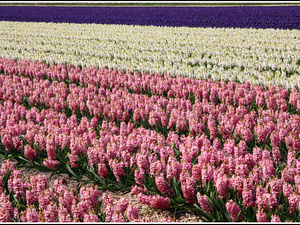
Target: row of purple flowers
{"x": 281, "y": 17}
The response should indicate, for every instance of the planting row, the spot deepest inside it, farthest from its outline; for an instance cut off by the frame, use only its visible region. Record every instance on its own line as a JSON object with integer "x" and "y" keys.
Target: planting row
{"x": 31, "y": 199}
{"x": 261, "y": 56}
{"x": 227, "y": 151}
{"x": 282, "y": 17}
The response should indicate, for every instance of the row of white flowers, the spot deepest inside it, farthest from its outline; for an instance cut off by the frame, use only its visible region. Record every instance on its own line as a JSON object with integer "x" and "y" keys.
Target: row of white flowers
{"x": 262, "y": 56}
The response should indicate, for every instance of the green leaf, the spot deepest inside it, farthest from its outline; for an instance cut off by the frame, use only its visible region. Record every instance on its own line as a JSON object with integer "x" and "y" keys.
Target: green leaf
{"x": 204, "y": 214}
{"x": 6, "y": 177}
{"x": 24, "y": 159}
{"x": 72, "y": 172}
{"x": 249, "y": 219}
{"x": 180, "y": 200}
{"x": 215, "y": 201}
{"x": 238, "y": 215}
{"x": 96, "y": 176}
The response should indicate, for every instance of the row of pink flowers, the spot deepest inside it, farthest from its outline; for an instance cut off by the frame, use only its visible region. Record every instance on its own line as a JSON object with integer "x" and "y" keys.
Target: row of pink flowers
{"x": 241, "y": 94}
{"x": 107, "y": 94}
{"x": 114, "y": 104}
{"x": 59, "y": 203}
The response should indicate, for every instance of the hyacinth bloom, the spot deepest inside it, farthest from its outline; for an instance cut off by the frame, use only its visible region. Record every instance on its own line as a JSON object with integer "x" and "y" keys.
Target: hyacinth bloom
{"x": 107, "y": 199}
{"x": 63, "y": 215}
{"x": 248, "y": 197}
{"x": 188, "y": 190}
{"x": 294, "y": 202}
{"x": 163, "y": 186}
{"x": 88, "y": 218}
{"x": 159, "y": 202}
{"x": 204, "y": 203}
{"x": 29, "y": 152}
{"x": 122, "y": 205}
{"x": 222, "y": 184}
{"x": 233, "y": 210}
{"x": 261, "y": 216}
{"x": 132, "y": 213}
{"x": 6, "y": 208}
{"x": 51, "y": 213}
{"x": 50, "y": 163}
{"x": 102, "y": 170}
{"x": 73, "y": 160}
{"x": 31, "y": 215}
{"x": 275, "y": 219}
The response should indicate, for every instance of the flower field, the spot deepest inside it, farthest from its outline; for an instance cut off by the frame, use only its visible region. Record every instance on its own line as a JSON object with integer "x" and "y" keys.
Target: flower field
{"x": 217, "y": 53}
{"x": 255, "y": 16}
{"x": 196, "y": 119}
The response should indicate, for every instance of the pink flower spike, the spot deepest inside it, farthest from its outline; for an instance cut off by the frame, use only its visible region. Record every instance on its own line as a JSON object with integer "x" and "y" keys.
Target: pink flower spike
{"x": 233, "y": 210}
{"x": 132, "y": 213}
{"x": 275, "y": 219}
{"x": 32, "y": 215}
{"x": 29, "y": 152}
{"x": 160, "y": 202}
{"x": 261, "y": 216}
{"x": 204, "y": 203}
{"x": 122, "y": 205}
{"x": 50, "y": 163}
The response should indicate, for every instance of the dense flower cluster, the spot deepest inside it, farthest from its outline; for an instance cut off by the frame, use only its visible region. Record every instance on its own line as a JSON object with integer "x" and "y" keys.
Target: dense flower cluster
{"x": 230, "y": 16}
{"x": 179, "y": 139}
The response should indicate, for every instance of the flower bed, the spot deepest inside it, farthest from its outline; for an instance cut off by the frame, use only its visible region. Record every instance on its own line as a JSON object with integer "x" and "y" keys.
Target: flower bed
{"x": 202, "y": 117}
{"x": 282, "y": 17}
{"x": 227, "y": 151}
{"x": 33, "y": 200}
{"x": 217, "y": 53}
